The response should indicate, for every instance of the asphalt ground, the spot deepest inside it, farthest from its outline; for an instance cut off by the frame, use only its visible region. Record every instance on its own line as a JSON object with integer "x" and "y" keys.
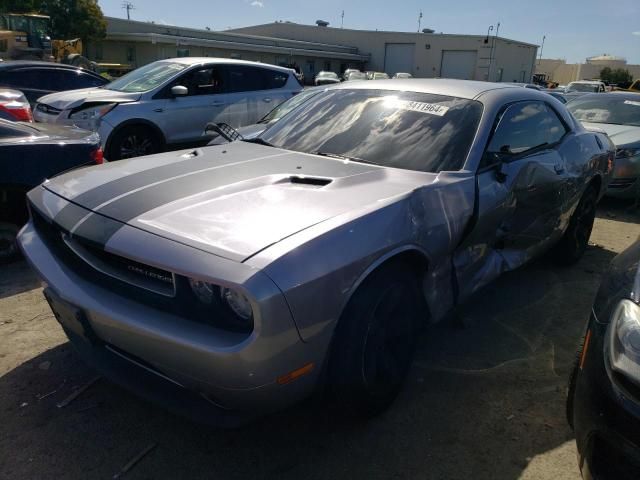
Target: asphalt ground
{"x": 484, "y": 400}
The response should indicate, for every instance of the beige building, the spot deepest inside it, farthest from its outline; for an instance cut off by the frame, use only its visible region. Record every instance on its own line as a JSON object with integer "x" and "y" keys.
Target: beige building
{"x": 138, "y": 43}
{"x": 316, "y": 48}
{"x": 474, "y": 57}
{"x": 562, "y": 72}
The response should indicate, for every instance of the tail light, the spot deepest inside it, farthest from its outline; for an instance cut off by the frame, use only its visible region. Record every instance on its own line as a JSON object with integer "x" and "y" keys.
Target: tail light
{"x": 97, "y": 156}
{"x": 16, "y": 105}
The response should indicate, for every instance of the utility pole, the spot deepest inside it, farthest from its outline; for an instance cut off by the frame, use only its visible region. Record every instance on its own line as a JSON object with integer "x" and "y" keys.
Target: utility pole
{"x": 494, "y": 45}
{"x": 541, "y": 48}
{"x": 128, "y": 6}
{"x": 342, "y": 20}
{"x": 419, "y": 21}
{"x": 487, "y": 40}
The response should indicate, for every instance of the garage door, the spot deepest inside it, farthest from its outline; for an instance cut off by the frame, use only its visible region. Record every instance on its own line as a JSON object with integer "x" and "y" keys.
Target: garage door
{"x": 458, "y": 64}
{"x": 398, "y": 57}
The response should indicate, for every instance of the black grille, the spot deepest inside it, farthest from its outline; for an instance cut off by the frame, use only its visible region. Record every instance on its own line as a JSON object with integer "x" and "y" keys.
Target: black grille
{"x": 182, "y": 302}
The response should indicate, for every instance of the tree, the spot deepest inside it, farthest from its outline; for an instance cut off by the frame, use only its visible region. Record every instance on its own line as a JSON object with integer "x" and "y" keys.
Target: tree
{"x": 69, "y": 18}
{"x": 618, "y": 76}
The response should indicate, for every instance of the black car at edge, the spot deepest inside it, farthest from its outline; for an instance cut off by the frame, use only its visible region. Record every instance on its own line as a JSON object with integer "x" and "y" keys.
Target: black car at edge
{"x": 29, "y": 154}
{"x": 603, "y": 404}
{"x": 36, "y": 79}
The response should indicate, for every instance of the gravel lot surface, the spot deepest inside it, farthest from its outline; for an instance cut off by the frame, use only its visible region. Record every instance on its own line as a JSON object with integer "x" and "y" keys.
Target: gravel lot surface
{"x": 485, "y": 399}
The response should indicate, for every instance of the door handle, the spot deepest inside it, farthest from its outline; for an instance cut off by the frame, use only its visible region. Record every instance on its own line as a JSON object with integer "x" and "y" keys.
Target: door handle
{"x": 267, "y": 100}
{"x": 158, "y": 110}
{"x": 559, "y": 169}
{"x": 217, "y": 104}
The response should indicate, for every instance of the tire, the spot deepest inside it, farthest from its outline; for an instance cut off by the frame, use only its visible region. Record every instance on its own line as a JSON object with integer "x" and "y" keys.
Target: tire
{"x": 9, "y": 251}
{"x": 573, "y": 378}
{"x": 574, "y": 242}
{"x": 374, "y": 342}
{"x": 133, "y": 141}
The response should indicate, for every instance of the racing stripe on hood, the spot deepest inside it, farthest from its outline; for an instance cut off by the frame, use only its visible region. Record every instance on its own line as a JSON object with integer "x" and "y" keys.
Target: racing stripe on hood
{"x": 143, "y": 200}
{"x": 71, "y": 216}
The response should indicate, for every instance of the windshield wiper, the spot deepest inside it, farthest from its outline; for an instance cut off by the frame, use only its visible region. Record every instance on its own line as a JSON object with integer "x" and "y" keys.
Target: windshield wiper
{"x": 343, "y": 157}
{"x": 258, "y": 140}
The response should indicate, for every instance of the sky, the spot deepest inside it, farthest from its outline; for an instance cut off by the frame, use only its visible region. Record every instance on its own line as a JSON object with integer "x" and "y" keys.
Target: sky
{"x": 574, "y": 29}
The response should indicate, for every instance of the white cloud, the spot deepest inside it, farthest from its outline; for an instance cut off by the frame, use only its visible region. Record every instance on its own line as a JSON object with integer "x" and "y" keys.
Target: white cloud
{"x": 257, "y": 3}
{"x": 632, "y": 33}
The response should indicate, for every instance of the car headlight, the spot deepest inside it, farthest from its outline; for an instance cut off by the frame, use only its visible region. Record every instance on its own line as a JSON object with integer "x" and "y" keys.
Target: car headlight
{"x": 231, "y": 307}
{"x": 627, "y": 152}
{"x": 624, "y": 340}
{"x": 92, "y": 113}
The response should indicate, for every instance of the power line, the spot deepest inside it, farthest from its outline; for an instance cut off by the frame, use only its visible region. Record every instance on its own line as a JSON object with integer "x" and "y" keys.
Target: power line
{"x": 128, "y": 6}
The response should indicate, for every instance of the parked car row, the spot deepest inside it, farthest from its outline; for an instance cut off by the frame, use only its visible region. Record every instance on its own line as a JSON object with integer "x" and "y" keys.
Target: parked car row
{"x": 351, "y": 74}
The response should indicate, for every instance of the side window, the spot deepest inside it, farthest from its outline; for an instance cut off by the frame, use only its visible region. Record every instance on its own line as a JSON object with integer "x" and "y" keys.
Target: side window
{"x": 202, "y": 81}
{"x": 73, "y": 79}
{"x": 275, "y": 79}
{"x": 20, "y": 79}
{"x": 524, "y": 126}
{"x": 247, "y": 79}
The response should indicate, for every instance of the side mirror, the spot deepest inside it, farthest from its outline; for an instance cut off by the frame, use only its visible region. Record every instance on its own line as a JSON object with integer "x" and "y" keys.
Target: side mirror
{"x": 179, "y": 91}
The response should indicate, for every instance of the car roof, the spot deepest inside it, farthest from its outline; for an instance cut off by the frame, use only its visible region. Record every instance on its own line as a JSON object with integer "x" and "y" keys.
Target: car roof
{"x": 588, "y": 82}
{"x": 441, "y": 86}
{"x": 13, "y": 64}
{"x": 216, "y": 60}
{"x": 36, "y": 63}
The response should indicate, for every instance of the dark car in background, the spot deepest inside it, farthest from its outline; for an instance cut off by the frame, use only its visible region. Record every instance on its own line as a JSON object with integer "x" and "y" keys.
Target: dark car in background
{"x": 36, "y": 79}
{"x": 29, "y": 154}
{"x": 603, "y": 404}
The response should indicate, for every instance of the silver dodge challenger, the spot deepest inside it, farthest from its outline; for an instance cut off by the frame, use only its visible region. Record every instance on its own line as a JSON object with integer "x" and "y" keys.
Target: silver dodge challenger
{"x": 235, "y": 280}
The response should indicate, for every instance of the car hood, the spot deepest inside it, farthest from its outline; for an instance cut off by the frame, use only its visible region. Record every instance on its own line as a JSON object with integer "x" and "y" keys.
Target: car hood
{"x": 51, "y": 133}
{"x": 620, "y": 135}
{"x": 75, "y": 98}
{"x": 230, "y": 200}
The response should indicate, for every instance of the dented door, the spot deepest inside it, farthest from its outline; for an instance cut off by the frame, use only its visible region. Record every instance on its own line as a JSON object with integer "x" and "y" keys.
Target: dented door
{"x": 520, "y": 196}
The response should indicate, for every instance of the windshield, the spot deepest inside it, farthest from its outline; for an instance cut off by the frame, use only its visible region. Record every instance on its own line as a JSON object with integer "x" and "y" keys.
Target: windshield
{"x": 285, "y": 107}
{"x": 614, "y": 108}
{"x": 146, "y": 78}
{"x": 413, "y": 131}
{"x": 40, "y": 26}
{"x": 582, "y": 87}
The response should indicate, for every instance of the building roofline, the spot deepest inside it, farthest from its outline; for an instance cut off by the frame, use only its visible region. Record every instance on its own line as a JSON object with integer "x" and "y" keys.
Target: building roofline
{"x": 203, "y": 42}
{"x": 357, "y": 31}
{"x": 229, "y": 33}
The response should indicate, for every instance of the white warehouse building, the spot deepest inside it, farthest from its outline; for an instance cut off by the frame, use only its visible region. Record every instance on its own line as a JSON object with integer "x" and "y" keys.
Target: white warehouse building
{"x": 424, "y": 54}
{"x": 316, "y": 48}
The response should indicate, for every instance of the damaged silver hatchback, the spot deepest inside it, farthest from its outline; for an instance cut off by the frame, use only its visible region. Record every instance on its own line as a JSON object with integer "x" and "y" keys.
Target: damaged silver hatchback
{"x": 235, "y": 280}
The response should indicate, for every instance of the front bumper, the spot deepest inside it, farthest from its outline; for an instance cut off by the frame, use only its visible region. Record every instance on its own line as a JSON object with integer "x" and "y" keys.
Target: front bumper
{"x": 101, "y": 126}
{"x": 606, "y": 417}
{"x": 127, "y": 340}
{"x": 624, "y": 187}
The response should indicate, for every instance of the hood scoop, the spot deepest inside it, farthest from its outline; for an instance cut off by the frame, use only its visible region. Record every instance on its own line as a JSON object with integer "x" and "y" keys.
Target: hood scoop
{"x": 309, "y": 181}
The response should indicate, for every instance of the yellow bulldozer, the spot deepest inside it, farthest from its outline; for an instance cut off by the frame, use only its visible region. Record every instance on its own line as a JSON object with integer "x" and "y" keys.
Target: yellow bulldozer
{"x": 24, "y": 37}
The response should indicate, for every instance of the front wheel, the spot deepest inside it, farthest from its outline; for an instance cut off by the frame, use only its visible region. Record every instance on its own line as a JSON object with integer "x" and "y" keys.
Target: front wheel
{"x": 374, "y": 342}
{"x": 133, "y": 141}
{"x": 574, "y": 242}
